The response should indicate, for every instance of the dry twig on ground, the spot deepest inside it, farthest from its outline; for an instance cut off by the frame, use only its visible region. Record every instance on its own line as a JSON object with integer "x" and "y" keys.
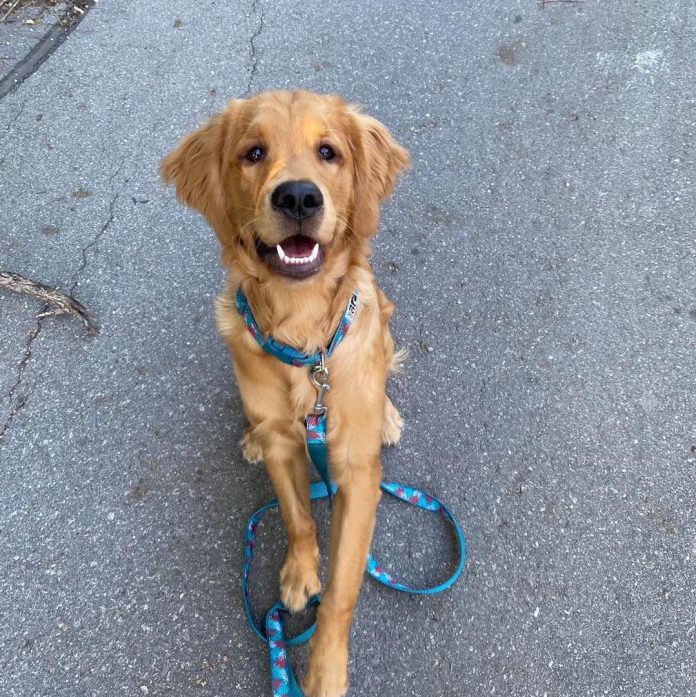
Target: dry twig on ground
{"x": 60, "y": 303}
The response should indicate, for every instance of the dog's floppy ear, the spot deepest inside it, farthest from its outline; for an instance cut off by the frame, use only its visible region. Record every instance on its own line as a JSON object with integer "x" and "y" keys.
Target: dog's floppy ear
{"x": 379, "y": 160}
{"x": 194, "y": 167}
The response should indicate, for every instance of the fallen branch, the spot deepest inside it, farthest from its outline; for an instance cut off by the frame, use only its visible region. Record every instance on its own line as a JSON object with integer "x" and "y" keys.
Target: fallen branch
{"x": 61, "y": 304}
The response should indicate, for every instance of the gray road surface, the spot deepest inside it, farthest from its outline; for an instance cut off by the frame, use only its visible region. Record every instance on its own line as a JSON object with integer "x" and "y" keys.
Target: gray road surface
{"x": 541, "y": 255}
{"x": 23, "y": 29}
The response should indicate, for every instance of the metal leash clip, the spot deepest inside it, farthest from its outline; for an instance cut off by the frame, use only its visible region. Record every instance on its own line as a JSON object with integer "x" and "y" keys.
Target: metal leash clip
{"x": 320, "y": 379}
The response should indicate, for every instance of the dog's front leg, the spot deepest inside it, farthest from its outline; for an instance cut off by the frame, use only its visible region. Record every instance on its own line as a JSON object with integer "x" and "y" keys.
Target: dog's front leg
{"x": 286, "y": 463}
{"x": 278, "y": 437}
{"x": 352, "y": 524}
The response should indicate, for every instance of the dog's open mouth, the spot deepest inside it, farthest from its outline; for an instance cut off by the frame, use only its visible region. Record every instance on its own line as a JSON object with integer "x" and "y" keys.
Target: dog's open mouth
{"x": 297, "y": 256}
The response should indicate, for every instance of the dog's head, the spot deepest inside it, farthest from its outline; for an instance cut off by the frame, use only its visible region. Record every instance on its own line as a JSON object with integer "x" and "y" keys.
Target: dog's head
{"x": 288, "y": 180}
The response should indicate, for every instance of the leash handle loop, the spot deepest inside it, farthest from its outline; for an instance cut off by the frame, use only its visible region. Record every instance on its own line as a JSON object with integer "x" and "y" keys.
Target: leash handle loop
{"x": 426, "y": 502}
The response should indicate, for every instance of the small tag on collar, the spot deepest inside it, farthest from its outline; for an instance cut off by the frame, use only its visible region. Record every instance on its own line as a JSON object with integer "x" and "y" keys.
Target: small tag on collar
{"x": 352, "y": 307}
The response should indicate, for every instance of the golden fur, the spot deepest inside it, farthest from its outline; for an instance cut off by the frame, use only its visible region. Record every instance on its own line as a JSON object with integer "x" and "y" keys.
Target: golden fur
{"x": 211, "y": 175}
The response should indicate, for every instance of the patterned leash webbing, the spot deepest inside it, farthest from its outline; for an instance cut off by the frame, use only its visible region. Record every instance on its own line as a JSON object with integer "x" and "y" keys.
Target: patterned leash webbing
{"x": 283, "y": 683}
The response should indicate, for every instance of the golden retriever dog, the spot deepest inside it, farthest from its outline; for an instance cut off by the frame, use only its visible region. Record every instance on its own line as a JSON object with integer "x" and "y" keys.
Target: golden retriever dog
{"x": 291, "y": 183}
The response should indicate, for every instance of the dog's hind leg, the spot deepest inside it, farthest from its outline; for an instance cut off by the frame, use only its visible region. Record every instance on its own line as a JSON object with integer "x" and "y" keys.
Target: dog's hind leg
{"x": 392, "y": 425}
{"x": 252, "y": 451}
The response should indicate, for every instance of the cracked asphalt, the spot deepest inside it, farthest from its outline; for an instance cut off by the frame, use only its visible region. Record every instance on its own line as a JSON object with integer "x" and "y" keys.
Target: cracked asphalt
{"x": 541, "y": 256}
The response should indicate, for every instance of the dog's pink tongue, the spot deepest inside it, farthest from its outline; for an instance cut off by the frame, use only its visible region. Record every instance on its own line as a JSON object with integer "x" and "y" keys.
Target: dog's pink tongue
{"x": 297, "y": 246}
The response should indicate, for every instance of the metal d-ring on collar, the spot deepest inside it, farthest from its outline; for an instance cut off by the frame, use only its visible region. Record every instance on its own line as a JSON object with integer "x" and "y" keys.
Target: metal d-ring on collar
{"x": 319, "y": 376}
{"x": 315, "y": 423}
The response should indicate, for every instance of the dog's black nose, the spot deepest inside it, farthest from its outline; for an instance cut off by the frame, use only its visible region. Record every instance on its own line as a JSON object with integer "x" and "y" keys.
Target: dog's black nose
{"x": 298, "y": 200}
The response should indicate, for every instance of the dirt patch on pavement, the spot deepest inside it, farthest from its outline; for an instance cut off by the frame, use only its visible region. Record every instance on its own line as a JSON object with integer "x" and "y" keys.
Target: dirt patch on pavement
{"x": 30, "y": 30}
{"x": 31, "y": 11}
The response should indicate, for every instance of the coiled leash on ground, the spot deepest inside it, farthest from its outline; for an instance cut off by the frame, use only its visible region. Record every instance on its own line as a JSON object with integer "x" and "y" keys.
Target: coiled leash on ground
{"x": 283, "y": 683}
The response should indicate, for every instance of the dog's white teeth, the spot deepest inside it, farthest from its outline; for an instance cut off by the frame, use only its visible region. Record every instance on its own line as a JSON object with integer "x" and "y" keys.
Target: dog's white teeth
{"x": 297, "y": 260}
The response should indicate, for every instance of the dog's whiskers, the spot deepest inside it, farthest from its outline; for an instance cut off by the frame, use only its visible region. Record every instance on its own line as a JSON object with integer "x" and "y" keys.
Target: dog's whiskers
{"x": 253, "y": 221}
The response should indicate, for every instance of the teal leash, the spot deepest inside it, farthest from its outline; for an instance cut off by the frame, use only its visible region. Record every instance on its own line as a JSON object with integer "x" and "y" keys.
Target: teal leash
{"x": 272, "y": 633}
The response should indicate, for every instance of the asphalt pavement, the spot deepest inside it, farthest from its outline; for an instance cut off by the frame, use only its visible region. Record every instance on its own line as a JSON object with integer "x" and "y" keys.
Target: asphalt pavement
{"x": 541, "y": 255}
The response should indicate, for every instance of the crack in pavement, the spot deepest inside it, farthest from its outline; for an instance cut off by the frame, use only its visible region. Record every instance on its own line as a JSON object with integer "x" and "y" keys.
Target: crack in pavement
{"x": 253, "y": 56}
{"x": 33, "y": 335}
{"x": 21, "y": 401}
{"x": 118, "y": 169}
{"x": 83, "y": 264}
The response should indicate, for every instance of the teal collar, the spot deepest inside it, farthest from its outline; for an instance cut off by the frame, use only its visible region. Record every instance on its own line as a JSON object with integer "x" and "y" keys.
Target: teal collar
{"x": 288, "y": 354}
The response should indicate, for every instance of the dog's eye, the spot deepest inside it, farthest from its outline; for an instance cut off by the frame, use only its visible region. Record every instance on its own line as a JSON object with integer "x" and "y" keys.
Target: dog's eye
{"x": 255, "y": 154}
{"x": 326, "y": 152}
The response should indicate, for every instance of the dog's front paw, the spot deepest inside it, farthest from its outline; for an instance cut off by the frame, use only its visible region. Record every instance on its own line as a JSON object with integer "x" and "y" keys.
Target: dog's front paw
{"x": 392, "y": 425}
{"x": 299, "y": 580}
{"x": 251, "y": 448}
{"x": 327, "y": 675}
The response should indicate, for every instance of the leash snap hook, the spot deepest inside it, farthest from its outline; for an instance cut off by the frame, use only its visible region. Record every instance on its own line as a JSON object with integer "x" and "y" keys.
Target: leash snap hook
{"x": 320, "y": 379}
